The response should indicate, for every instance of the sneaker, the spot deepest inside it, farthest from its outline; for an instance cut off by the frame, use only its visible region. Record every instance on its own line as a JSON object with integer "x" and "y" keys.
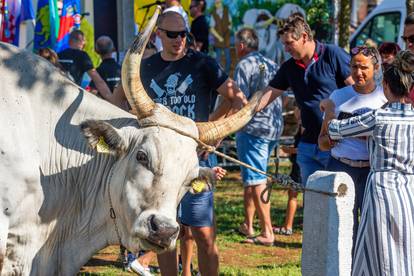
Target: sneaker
{"x": 136, "y": 267}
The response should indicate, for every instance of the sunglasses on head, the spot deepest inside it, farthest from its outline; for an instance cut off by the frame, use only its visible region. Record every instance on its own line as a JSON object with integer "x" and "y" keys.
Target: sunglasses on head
{"x": 366, "y": 51}
{"x": 408, "y": 39}
{"x": 174, "y": 34}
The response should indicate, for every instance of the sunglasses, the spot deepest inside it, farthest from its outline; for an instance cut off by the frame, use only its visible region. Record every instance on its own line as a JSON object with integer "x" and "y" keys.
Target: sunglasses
{"x": 366, "y": 51}
{"x": 408, "y": 39}
{"x": 174, "y": 34}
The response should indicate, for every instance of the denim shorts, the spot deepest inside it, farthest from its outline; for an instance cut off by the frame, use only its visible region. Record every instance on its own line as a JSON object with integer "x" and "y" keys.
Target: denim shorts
{"x": 198, "y": 209}
{"x": 254, "y": 151}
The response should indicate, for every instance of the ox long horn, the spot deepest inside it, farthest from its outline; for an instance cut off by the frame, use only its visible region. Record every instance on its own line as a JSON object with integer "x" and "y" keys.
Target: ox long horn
{"x": 137, "y": 97}
{"x": 211, "y": 132}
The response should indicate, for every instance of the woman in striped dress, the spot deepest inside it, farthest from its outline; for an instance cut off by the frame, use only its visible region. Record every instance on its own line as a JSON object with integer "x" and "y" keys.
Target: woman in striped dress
{"x": 385, "y": 239}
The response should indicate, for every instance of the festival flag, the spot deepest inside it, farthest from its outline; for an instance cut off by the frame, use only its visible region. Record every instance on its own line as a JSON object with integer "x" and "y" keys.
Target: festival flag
{"x": 47, "y": 24}
{"x": 22, "y": 10}
{"x": 12, "y": 14}
{"x": 69, "y": 20}
{"x": 5, "y": 34}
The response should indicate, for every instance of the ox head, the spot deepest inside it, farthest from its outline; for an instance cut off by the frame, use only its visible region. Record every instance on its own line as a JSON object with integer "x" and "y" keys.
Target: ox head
{"x": 158, "y": 161}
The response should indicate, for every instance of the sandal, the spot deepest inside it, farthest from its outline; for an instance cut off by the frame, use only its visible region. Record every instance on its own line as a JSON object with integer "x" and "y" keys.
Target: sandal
{"x": 244, "y": 232}
{"x": 256, "y": 241}
{"x": 282, "y": 231}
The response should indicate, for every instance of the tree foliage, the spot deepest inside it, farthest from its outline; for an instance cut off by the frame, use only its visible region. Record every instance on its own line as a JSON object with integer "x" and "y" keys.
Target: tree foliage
{"x": 343, "y": 23}
{"x": 317, "y": 11}
{"x": 410, "y": 6}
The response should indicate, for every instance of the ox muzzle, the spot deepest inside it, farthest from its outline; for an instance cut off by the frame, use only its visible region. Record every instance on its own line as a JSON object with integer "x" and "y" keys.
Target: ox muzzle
{"x": 157, "y": 232}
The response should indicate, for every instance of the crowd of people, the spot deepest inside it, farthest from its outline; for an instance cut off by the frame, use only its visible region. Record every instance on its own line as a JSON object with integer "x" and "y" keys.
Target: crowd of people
{"x": 355, "y": 112}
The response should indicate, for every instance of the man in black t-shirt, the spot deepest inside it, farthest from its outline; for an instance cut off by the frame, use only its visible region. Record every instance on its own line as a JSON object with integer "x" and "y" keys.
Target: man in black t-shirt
{"x": 185, "y": 81}
{"x": 76, "y": 61}
{"x": 199, "y": 27}
{"x": 109, "y": 69}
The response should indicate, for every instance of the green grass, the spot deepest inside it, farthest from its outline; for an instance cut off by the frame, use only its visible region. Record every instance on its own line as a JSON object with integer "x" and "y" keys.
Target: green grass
{"x": 277, "y": 270}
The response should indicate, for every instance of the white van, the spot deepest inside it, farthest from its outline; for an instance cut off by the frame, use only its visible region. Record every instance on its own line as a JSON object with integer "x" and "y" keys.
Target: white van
{"x": 385, "y": 23}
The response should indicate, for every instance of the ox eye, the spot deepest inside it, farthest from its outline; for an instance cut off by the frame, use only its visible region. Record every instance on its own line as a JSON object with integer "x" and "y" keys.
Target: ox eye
{"x": 142, "y": 158}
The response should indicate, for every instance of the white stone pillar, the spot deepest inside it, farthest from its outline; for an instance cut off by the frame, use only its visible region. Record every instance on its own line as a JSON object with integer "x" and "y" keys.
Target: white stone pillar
{"x": 327, "y": 225}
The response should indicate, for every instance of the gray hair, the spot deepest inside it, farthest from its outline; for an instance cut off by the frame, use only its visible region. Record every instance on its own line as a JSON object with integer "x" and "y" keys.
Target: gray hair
{"x": 248, "y": 37}
{"x": 104, "y": 45}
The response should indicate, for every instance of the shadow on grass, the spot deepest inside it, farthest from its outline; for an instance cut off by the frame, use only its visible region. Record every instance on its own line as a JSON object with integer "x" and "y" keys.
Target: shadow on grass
{"x": 102, "y": 262}
{"x": 283, "y": 244}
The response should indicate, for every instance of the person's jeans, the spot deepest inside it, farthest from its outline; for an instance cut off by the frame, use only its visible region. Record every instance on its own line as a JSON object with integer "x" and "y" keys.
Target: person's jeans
{"x": 310, "y": 159}
{"x": 227, "y": 58}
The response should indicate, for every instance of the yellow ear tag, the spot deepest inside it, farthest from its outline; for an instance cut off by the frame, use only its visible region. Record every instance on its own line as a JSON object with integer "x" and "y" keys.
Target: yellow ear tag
{"x": 198, "y": 186}
{"x": 102, "y": 146}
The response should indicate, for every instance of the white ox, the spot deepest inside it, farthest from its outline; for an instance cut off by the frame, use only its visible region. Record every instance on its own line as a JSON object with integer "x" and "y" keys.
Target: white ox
{"x": 56, "y": 189}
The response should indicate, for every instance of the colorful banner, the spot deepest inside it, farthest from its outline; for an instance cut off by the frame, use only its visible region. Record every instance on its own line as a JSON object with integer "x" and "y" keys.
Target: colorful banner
{"x": 6, "y": 34}
{"x": 21, "y": 10}
{"x": 69, "y": 20}
{"x": 12, "y": 14}
{"x": 47, "y": 24}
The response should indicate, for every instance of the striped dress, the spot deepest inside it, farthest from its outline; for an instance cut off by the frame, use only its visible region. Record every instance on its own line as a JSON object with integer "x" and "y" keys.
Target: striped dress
{"x": 385, "y": 240}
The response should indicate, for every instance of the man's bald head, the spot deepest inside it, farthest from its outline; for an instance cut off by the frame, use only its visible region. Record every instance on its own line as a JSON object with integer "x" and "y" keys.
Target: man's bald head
{"x": 104, "y": 45}
{"x": 170, "y": 16}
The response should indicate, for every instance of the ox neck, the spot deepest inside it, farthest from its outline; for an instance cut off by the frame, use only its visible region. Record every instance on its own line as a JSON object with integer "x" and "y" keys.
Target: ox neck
{"x": 82, "y": 218}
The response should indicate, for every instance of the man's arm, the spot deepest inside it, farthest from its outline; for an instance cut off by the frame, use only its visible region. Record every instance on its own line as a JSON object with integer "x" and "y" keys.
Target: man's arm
{"x": 233, "y": 99}
{"x": 328, "y": 107}
{"x": 269, "y": 96}
{"x": 221, "y": 111}
{"x": 100, "y": 84}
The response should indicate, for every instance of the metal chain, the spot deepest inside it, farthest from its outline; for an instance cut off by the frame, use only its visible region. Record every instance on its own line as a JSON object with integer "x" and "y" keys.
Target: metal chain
{"x": 113, "y": 217}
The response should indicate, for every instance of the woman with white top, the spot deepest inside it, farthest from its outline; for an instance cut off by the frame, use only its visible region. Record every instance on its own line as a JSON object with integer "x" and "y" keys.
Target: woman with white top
{"x": 350, "y": 155}
{"x": 385, "y": 240}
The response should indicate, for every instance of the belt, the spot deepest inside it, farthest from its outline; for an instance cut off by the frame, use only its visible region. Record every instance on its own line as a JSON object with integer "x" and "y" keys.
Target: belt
{"x": 353, "y": 163}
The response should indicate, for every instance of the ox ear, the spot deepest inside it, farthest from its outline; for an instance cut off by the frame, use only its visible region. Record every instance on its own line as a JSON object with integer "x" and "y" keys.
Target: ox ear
{"x": 103, "y": 137}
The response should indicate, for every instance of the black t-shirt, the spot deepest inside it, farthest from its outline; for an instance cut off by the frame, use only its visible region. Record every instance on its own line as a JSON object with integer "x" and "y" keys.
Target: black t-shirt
{"x": 199, "y": 28}
{"x": 186, "y": 86}
{"x": 76, "y": 62}
{"x": 110, "y": 72}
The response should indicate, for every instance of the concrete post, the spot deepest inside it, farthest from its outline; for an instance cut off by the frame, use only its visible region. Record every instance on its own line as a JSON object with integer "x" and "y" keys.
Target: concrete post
{"x": 327, "y": 225}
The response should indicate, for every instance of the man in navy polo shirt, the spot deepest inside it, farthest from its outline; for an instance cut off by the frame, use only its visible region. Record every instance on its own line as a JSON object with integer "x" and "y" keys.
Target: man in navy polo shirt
{"x": 313, "y": 72}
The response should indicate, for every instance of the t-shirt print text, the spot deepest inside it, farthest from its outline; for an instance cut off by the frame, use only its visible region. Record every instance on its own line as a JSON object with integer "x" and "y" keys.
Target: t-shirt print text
{"x": 173, "y": 94}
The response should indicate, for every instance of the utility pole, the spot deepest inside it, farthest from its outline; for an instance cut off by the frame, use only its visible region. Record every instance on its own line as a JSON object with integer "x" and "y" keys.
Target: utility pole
{"x": 410, "y": 6}
{"x": 344, "y": 22}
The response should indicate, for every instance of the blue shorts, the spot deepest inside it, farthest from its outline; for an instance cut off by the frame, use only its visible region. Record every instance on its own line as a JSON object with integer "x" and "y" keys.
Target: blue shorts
{"x": 254, "y": 151}
{"x": 198, "y": 209}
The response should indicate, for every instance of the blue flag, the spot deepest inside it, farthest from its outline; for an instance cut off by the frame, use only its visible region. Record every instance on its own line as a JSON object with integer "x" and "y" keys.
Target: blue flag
{"x": 47, "y": 24}
{"x": 23, "y": 11}
{"x": 69, "y": 20}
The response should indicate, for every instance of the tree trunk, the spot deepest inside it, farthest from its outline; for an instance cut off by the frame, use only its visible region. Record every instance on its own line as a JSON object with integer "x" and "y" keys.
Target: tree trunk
{"x": 344, "y": 22}
{"x": 410, "y": 6}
